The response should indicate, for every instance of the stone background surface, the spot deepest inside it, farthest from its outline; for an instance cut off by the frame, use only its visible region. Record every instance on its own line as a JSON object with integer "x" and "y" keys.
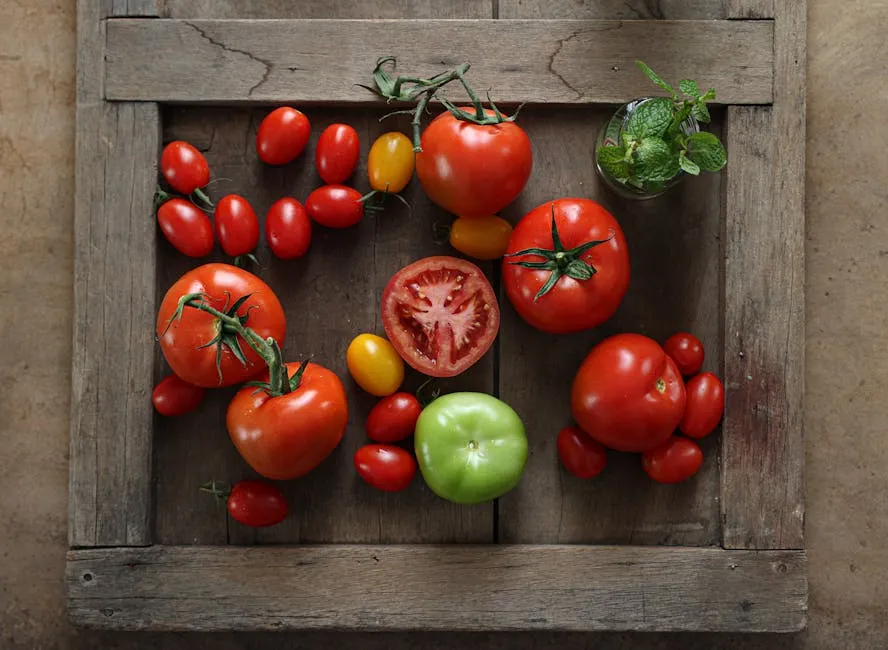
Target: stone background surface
{"x": 847, "y": 324}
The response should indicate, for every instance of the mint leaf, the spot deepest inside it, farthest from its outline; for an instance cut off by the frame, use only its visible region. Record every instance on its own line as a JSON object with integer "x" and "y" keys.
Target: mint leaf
{"x": 651, "y": 118}
{"x": 653, "y": 76}
{"x": 709, "y": 95}
{"x": 627, "y": 138}
{"x": 688, "y": 165}
{"x": 613, "y": 161}
{"x": 689, "y": 87}
{"x": 706, "y": 150}
{"x": 655, "y": 160}
{"x": 701, "y": 113}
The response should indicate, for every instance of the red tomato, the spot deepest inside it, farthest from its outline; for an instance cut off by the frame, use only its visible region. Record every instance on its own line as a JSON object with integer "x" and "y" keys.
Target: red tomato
{"x": 473, "y": 170}
{"x": 257, "y": 503}
{"x": 172, "y": 396}
{"x": 184, "y": 341}
{"x": 441, "y": 315}
{"x": 385, "y": 467}
{"x": 686, "y": 351}
{"x": 184, "y": 167}
{"x": 335, "y": 206}
{"x": 627, "y": 394}
{"x": 580, "y": 455}
{"x": 186, "y": 227}
{"x": 288, "y": 229}
{"x": 282, "y": 136}
{"x": 590, "y": 268}
{"x": 237, "y": 226}
{"x": 393, "y": 418}
{"x": 286, "y": 437}
{"x": 336, "y": 155}
{"x": 674, "y": 461}
{"x": 706, "y": 404}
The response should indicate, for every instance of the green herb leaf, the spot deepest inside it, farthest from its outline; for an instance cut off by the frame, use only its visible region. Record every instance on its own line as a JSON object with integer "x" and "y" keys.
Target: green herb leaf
{"x": 706, "y": 150}
{"x": 613, "y": 161}
{"x": 627, "y": 138}
{"x": 701, "y": 113}
{"x": 651, "y": 118}
{"x": 653, "y": 76}
{"x": 709, "y": 95}
{"x": 655, "y": 160}
{"x": 688, "y": 165}
{"x": 689, "y": 87}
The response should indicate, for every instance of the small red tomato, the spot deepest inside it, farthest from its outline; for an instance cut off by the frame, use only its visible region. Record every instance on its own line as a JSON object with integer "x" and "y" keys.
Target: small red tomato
{"x": 237, "y": 226}
{"x": 257, "y": 503}
{"x": 336, "y": 155}
{"x": 335, "y": 206}
{"x": 186, "y": 227}
{"x": 393, "y": 418}
{"x": 675, "y": 461}
{"x": 287, "y": 229}
{"x": 686, "y": 351}
{"x": 282, "y": 136}
{"x": 705, "y": 405}
{"x": 580, "y": 455}
{"x": 385, "y": 467}
{"x": 174, "y": 396}
{"x": 184, "y": 167}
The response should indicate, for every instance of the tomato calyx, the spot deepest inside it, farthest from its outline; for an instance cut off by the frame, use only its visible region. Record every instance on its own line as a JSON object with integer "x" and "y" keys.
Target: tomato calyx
{"x": 161, "y": 196}
{"x": 559, "y": 261}
{"x": 427, "y": 392}
{"x": 218, "y": 489}
{"x": 230, "y": 329}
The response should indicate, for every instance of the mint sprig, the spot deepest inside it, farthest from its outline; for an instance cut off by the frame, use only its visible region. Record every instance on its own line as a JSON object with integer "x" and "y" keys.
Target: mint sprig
{"x": 654, "y": 146}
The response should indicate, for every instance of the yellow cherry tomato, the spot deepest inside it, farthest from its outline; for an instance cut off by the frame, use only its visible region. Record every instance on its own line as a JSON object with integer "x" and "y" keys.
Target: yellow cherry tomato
{"x": 374, "y": 364}
{"x": 390, "y": 163}
{"x": 484, "y": 238}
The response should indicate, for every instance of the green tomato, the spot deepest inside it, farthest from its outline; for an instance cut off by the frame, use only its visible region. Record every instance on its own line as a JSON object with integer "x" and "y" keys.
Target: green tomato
{"x": 471, "y": 447}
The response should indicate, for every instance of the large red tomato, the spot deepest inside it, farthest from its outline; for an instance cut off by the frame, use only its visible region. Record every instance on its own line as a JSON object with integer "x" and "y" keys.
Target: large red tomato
{"x": 441, "y": 315}
{"x": 628, "y": 395}
{"x": 286, "y": 436}
{"x": 196, "y": 346}
{"x": 567, "y": 266}
{"x": 473, "y": 170}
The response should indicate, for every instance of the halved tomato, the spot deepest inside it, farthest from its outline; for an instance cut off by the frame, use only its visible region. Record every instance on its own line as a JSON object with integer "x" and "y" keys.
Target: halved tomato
{"x": 441, "y": 315}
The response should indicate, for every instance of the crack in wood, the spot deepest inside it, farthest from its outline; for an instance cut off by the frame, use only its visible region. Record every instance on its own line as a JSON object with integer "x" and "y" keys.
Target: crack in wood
{"x": 227, "y": 48}
{"x": 551, "y": 64}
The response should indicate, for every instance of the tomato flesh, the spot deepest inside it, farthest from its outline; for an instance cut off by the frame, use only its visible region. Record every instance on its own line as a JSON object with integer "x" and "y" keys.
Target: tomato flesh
{"x": 674, "y": 461}
{"x": 440, "y": 314}
{"x": 257, "y": 503}
{"x": 385, "y": 467}
{"x": 705, "y": 407}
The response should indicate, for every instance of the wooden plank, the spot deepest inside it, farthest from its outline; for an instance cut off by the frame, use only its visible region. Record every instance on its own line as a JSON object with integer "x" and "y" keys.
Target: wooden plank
{"x": 117, "y": 147}
{"x": 750, "y": 9}
{"x": 560, "y": 61}
{"x": 330, "y": 295}
{"x": 427, "y": 587}
{"x": 763, "y": 451}
{"x": 325, "y": 9}
{"x": 135, "y": 7}
{"x": 678, "y": 231}
{"x": 614, "y": 9}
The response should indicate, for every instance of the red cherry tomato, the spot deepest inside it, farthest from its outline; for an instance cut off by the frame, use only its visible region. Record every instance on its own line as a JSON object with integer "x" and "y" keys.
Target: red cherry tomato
{"x": 580, "y": 455}
{"x": 686, "y": 351}
{"x": 335, "y": 206}
{"x": 184, "y": 167}
{"x": 393, "y": 418}
{"x": 186, "y": 227}
{"x": 675, "y": 461}
{"x": 287, "y": 229}
{"x": 237, "y": 226}
{"x": 174, "y": 396}
{"x": 257, "y": 503}
{"x": 385, "y": 467}
{"x": 705, "y": 406}
{"x": 282, "y": 136}
{"x": 336, "y": 155}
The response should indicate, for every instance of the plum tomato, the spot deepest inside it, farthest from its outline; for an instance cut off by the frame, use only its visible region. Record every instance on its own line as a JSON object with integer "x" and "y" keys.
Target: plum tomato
{"x": 335, "y": 206}
{"x": 441, "y": 315}
{"x": 580, "y": 455}
{"x": 184, "y": 167}
{"x": 686, "y": 351}
{"x": 174, "y": 396}
{"x": 374, "y": 364}
{"x": 282, "y": 136}
{"x": 337, "y": 153}
{"x": 674, "y": 461}
{"x": 386, "y": 467}
{"x": 237, "y": 226}
{"x": 186, "y": 227}
{"x": 484, "y": 238}
{"x": 390, "y": 162}
{"x": 257, "y": 503}
{"x": 705, "y": 407}
{"x": 393, "y": 418}
{"x": 288, "y": 229}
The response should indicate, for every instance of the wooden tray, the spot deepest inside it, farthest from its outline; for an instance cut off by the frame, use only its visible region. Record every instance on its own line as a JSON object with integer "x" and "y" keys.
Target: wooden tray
{"x": 722, "y": 256}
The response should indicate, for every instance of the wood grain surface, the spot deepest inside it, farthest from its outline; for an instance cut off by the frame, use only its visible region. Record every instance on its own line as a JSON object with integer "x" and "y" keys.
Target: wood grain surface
{"x": 431, "y": 588}
{"x": 751, "y": 9}
{"x": 111, "y": 414}
{"x": 763, "y": 450}
{"x": 558, "y": 61}
{"x": 674, "y": 246}
{"x": 280, "y": 9}
{"x": 614, "y": 9}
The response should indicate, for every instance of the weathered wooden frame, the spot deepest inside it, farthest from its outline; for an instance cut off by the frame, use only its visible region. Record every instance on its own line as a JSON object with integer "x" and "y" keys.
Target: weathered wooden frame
{"x": 756, "y": 580}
